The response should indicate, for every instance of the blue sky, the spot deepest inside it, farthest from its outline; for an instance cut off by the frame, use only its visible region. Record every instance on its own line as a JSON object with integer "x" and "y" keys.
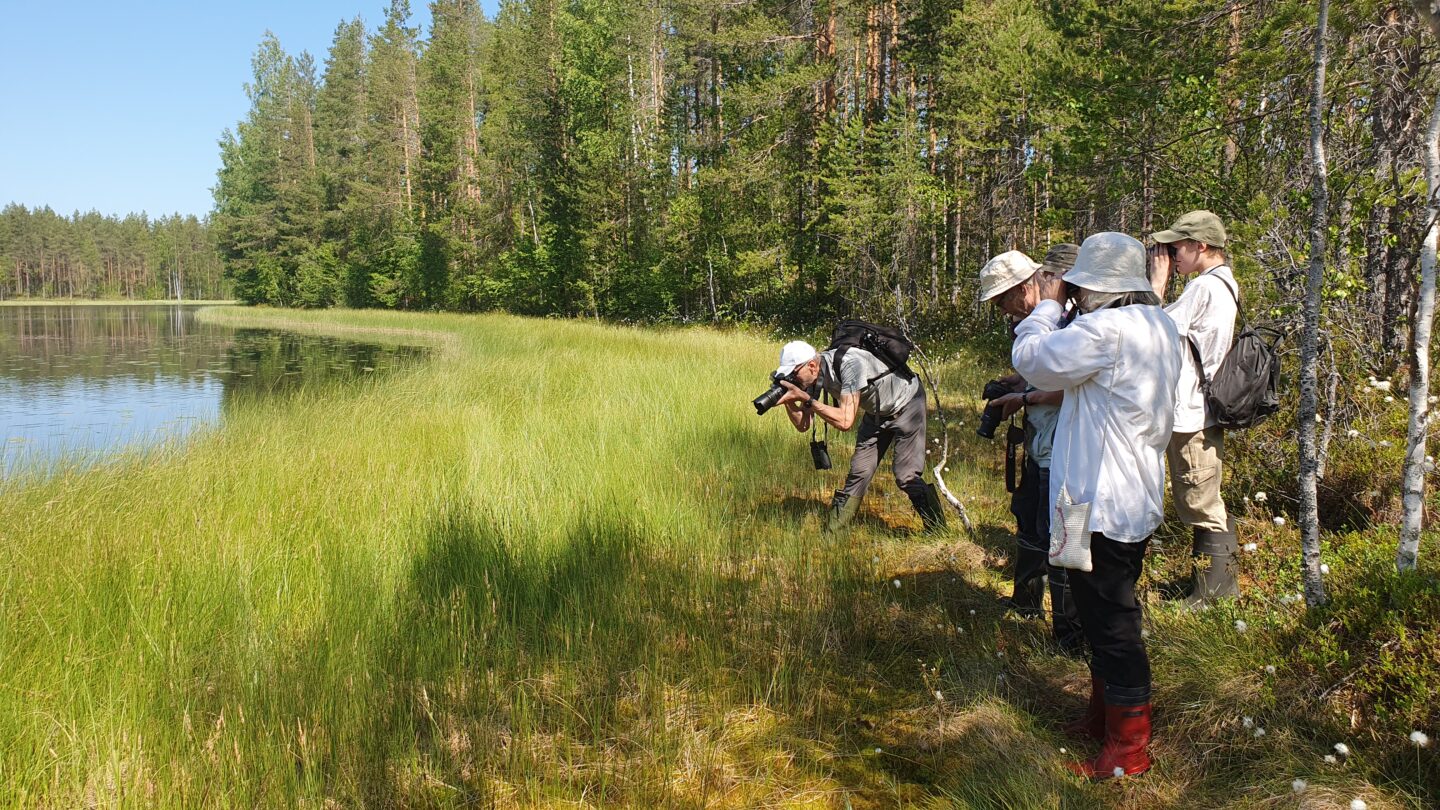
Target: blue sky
{"x": 118, "y": 106}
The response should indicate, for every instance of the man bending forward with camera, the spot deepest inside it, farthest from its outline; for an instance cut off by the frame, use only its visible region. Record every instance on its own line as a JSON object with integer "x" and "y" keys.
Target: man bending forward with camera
{"x": 894, "y": 406}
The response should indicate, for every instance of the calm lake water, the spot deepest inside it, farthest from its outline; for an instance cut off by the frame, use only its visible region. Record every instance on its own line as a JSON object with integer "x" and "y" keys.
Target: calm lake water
{"x": 85, "y": 381}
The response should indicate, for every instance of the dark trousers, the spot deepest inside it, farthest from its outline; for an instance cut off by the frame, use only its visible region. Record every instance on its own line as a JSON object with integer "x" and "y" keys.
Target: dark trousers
{"x": 1110, "y": 615}
{"x": 906, "y": 432}
{"x": 1030, "y": 505}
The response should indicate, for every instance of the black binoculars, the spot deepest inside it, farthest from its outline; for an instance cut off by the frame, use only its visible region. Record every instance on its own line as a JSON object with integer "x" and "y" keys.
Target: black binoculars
{"x": 820, "y": 455}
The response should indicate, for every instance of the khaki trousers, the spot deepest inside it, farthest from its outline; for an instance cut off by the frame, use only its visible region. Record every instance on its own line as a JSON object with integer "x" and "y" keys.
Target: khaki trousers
{"x": 1195, "y": 465}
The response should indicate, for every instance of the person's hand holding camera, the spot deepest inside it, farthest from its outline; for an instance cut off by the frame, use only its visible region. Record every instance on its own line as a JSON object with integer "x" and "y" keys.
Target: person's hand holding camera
{"x": 793, "y": 394}
{"x": 1009, "y": 404}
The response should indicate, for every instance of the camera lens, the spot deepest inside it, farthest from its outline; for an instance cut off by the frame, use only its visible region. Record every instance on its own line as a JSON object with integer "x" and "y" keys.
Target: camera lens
{"x": 989, "y": 420}
{"x": 768, "y": 400}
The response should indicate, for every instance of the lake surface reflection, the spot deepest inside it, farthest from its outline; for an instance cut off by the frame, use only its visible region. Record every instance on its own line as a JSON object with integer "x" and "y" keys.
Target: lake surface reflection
{"x": 80, "y": 382}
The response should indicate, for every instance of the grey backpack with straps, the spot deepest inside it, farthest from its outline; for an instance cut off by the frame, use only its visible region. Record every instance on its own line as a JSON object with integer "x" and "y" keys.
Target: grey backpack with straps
{"x": 1244, "y": 390}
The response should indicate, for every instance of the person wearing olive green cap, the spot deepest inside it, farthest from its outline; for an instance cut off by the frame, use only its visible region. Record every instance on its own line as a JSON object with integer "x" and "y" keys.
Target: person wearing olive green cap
{"x": 1194, "y": 247}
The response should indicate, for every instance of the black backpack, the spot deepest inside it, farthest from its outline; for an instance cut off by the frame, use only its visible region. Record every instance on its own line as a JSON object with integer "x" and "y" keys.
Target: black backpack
{"x": 890, "y": 345}
{"x": 1244, "y": 390}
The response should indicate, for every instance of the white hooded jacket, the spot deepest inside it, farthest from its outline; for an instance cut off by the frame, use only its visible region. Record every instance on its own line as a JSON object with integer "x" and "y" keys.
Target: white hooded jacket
{"x": 1118, "y": 368}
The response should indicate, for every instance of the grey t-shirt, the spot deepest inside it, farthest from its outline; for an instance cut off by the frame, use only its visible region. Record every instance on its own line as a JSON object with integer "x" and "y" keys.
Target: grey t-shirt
{"x": 884, "y": 398}
{"x": 1040, "y": 432}
{"x": 1040, "y": 421}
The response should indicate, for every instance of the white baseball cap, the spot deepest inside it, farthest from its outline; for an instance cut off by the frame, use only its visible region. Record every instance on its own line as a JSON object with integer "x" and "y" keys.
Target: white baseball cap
{"x": 1005, "y": 271}
{"x": 793, "y": 354}
{"x": 1110, "y": 262}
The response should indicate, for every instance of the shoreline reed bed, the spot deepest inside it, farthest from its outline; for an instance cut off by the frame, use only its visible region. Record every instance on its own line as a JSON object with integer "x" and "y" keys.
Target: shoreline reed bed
{"x": 563, "y": 563}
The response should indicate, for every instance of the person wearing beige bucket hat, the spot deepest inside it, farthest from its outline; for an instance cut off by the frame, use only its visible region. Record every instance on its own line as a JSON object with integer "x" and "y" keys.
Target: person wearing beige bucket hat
{"x": 1030, "y": 502}
{"x": 1117, "y": 363}
{"x": 1005, "y": 272}
{"x": 1205, "y": 315}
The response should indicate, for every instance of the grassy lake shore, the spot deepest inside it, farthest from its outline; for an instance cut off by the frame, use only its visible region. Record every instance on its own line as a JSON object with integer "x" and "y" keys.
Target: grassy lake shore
{"x": 565, "y": 564}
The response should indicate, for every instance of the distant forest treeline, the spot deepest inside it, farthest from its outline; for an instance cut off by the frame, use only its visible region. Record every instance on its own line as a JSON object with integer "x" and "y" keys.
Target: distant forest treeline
{"x": 46, "y": 255}
{"x": 787, "y": 160}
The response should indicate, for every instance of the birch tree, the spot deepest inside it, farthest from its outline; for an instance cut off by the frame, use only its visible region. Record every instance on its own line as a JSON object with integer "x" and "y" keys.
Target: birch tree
{"x": 1413, "y": 486}
{"x": 1310, "y": 345}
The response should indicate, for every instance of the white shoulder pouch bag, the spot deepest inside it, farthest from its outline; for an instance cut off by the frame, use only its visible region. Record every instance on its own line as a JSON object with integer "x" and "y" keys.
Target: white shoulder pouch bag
{"x": 1070, "y": 521}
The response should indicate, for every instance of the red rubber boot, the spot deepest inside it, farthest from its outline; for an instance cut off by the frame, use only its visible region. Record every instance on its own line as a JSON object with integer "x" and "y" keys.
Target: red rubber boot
{"x": 1127, "y": 736}
{"x": 1092, "y": 723}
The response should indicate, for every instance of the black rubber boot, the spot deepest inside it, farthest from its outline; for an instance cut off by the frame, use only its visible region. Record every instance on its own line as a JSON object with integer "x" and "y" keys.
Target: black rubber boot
{"x": 1064, "y": 616}
{"x": 1028, "y": 598}
{"x": 843, "y": 510}
{"x": 927, "y": 505}
{"x": 1214, "y": 555}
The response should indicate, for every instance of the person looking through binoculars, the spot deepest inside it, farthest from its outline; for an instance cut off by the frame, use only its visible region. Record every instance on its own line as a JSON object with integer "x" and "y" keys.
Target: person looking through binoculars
{"x": 893, "y": 405}
{"x": 1204, "y": 314}
{"x": 1118, "y": 362}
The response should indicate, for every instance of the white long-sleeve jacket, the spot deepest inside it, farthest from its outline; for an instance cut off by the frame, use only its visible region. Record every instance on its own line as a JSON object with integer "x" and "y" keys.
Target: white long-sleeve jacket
{"x": 1205, "y": 312}
{"x": 1118, "y": 368}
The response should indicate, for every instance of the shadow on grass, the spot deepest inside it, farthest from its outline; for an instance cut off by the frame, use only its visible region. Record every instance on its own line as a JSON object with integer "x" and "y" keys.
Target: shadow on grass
{"x": 498, "y": 642}
{"x": 513, "y": 667}
{"x": 817, "y": 510}
{"x": 606, "y": 666}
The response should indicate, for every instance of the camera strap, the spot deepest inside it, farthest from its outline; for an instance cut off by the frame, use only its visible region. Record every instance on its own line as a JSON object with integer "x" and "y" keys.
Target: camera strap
{"x": 824, "y": 395}
{"x": 1014, "y": 458}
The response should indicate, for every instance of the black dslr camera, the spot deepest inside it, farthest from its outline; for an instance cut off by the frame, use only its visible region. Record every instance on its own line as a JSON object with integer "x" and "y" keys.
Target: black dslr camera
{"x": 994, "y": 413}
{"x": 819, "y": 452}
{"x": 772, "y": 396}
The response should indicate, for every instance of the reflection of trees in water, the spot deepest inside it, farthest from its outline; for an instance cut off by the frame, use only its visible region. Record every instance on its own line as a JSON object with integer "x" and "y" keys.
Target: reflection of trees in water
{"x": 103, "y": 344}
{"x": 100, "y": 345}
{"x": 265, "y": 363}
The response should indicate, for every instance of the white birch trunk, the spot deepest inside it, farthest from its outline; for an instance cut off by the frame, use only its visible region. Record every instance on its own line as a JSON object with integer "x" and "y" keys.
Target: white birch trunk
{"x": 1309, "y": 517}
{"x": 1413, "y": 483}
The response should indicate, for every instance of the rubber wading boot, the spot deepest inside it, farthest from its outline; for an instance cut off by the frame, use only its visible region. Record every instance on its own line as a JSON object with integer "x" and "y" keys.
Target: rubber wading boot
{"x": 1028, "y": 596}
{"x": 927, "y": 504}
{"x": 843, "y": 510}
{"x": 1064, "y": 615}
{"x": 1125, "y": 751}
{"x": 1092, "y": 723}
{"x": 1214, "y": 556}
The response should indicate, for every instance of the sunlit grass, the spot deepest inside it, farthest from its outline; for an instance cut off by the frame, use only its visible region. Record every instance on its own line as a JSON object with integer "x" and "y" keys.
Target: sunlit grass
{"x": 560, "y": 564}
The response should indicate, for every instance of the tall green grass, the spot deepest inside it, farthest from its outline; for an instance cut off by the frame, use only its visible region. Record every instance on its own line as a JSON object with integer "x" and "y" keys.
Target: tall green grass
{"x": 563, "y": 564}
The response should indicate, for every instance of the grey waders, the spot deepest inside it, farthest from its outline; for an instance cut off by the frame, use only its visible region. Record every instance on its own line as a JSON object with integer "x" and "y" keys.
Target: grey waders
{"x": 1216, "y": 579}
{"x": 927, "y": 504}
{"x": 1028, "y": 598}
{"x": 843, "y": 509}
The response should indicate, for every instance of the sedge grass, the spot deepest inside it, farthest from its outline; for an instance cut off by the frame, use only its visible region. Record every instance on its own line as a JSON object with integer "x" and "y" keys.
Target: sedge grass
{"x": 560, "y": 564}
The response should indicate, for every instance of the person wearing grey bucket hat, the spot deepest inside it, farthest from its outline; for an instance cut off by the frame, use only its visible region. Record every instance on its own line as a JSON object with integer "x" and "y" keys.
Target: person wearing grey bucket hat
{"x": 1117, "y": 362}
{"x": 1205, "y": 315}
